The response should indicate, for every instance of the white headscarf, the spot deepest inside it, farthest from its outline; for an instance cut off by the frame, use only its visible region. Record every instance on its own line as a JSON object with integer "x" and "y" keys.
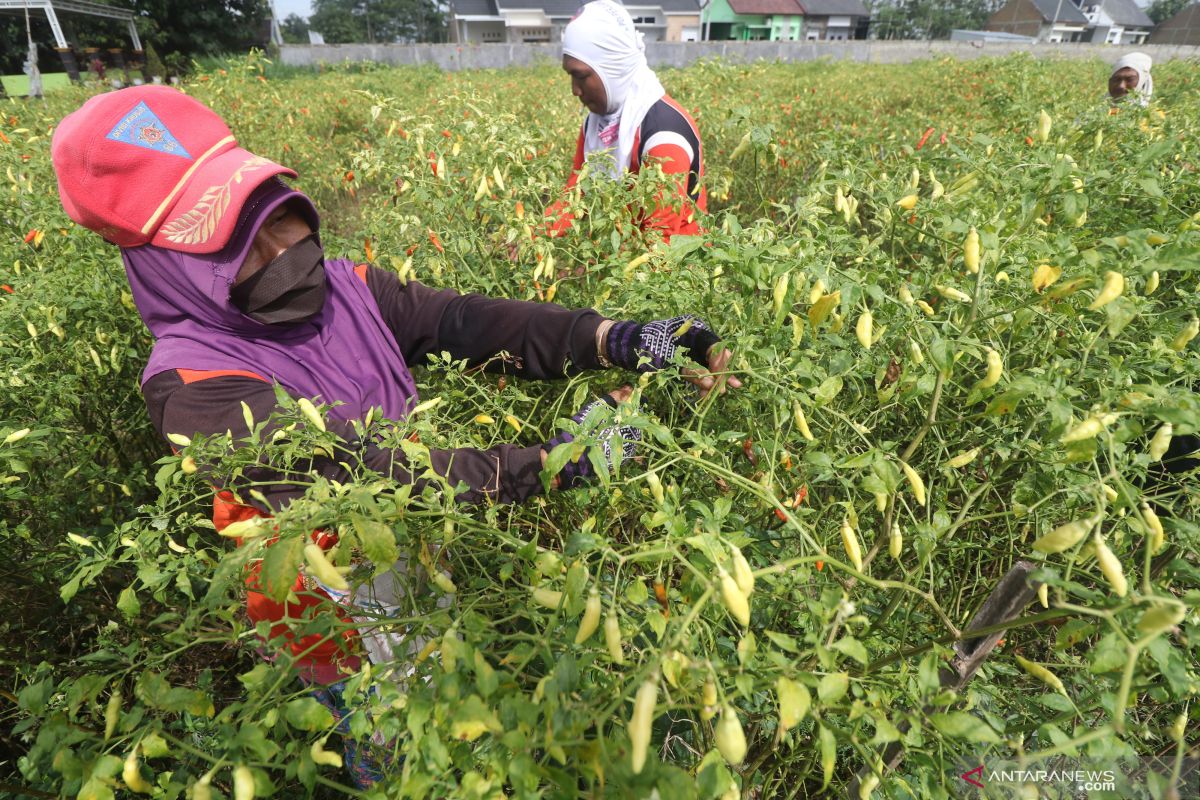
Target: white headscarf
{"x": 1139, "y": 63}
{"x": 602, "y": 36}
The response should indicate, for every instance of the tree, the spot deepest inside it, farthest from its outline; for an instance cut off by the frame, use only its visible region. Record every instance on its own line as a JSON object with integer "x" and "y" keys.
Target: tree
{"x": 182, "y": 31}
{"x": 1162, "y": 10}
{"x": 341, "y": 21}
{"x": 204, "y": 27}
{"x": 294, "y": 29}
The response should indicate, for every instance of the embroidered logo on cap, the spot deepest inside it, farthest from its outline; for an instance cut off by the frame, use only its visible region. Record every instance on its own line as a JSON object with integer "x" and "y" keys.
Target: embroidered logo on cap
{"x": 143, "y": 128}
{"x": 199, "y": 223}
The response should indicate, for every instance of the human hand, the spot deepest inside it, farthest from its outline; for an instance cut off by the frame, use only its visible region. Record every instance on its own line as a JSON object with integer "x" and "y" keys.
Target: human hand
{"x": 717, "y": 376}
{"x": 652, "y": 346}
{"x": 617, "y": 442}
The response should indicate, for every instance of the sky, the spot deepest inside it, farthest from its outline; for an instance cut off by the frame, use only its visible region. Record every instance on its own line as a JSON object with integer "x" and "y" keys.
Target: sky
{"x": 285, "y": 7}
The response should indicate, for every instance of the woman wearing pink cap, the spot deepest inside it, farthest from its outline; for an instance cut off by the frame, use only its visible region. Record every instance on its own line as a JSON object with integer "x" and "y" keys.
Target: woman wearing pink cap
{"x": 631, "y": 121}
{"x": 226, "y": 268}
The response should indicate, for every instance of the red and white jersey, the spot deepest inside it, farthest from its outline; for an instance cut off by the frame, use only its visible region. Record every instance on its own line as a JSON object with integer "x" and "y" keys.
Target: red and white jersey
{"x": 668, "y": 136}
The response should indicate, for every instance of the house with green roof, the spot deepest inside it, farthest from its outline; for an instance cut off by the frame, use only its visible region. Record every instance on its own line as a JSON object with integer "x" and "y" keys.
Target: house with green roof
{"x": 754, "y": 20}
{"x": 786, "y": 20}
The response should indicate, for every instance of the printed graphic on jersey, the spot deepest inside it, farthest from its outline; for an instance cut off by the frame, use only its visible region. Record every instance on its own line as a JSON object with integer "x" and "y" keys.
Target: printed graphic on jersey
{"x": 143, "y": 128}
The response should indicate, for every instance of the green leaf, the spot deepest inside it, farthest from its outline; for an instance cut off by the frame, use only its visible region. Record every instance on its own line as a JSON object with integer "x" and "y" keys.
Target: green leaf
{"x": 1073, "y": 632}
{"x": 486, "y": 680}
{"x": 557, "y": 458}
{"x": 95, "y": 789}
{"x": 885, "y": 731}
{"x": 941, "y": 354}
{"x": 657, "y": 622}
{"x": 307, "y": 714}
{"x": 833, "y": 687}
{"x": 853, "y": 648}
{"x": 828, "y": 754}
{"x": 636, "y": 592}
{"x": 1005, "y": 403}
{"x": 128, "y": 603}
{"x": 377, "y": 541}
{"x": 794, "y": 702}
{"x": 280, "y": 566}
{"x": 257, "y": 678}
{"x": 887, "y": 471}
{"x": 472, "y": 718}
{"x": 961, "y": 725}
{"x": 155, "y": 746}
{"x": 858, "y": 461}
{"x": 713, "y": 778}
{"x": 1172, "y": 665}
{"x": 1108, "y": 654}
{"x": 783, "y": 641}
{"x": 1120, "y": 313}
{"x": 830, "y": 388}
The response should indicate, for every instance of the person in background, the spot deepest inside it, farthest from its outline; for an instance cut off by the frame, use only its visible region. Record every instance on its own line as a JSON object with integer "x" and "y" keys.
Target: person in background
{"x": 631, "y": 119}
{"x": 227, "y": 271}
{"x": 1131, "y": 73}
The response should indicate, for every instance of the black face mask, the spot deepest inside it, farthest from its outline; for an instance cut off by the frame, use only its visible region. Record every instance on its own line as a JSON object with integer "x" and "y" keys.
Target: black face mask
{"x": 289, "y": 290}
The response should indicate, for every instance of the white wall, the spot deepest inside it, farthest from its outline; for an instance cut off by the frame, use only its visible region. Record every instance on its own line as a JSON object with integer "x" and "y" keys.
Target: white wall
{"x": 680, "y": 54}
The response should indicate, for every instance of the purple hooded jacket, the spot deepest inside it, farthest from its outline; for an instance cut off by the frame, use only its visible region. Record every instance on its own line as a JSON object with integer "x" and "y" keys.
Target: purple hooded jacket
{"x": 345, "y": 355}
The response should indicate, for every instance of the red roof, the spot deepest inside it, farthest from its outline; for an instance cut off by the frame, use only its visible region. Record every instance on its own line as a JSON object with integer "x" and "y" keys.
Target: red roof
{"x": 767, "y": 7}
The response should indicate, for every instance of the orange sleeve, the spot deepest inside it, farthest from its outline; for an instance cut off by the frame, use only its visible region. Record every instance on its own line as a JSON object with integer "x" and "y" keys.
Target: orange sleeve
{"x": 558, "y": 219}
{"x": 673, "y": 215}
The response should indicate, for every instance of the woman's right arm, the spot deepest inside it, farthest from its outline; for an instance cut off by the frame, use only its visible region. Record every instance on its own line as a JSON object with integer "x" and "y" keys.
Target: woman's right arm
{"x": 534, "y": 340}
{"x": 207, "y": 404}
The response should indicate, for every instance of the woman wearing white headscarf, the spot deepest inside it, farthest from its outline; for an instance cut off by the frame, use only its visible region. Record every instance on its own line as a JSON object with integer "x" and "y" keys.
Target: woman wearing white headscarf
{"x": 1131, "y": 73}
{"x": 631, "y": 120}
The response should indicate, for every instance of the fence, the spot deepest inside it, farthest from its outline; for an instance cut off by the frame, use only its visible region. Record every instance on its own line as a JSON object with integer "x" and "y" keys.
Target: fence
{"x": 452, "y": 57}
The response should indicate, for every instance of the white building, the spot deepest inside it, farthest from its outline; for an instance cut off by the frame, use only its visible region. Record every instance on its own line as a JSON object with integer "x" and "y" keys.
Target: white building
{"x": 506, "y": 21}
{"x": 1117, "y": 21}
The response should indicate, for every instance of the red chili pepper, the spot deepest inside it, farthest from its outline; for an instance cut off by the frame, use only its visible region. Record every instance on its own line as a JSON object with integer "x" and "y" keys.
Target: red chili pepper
{"x": 820, "y": 566}
{"x": 446, "y": 134}
{"x": 801, "y": 495}
{"x": 30, "y": 236}
{"x": 924, "y": 137}
{"x": 942, "y": 140}
{"x": 433, "y": 162}
{"x": 369, "y": 250}
{"x": 433, "y": 239}
{"x": 349, "y": 176}
{"x": 660, "y": 594}
{"x": 4, "y": 138}
{"x": 6, "y": 288}
{"x": 1029, "y": 141}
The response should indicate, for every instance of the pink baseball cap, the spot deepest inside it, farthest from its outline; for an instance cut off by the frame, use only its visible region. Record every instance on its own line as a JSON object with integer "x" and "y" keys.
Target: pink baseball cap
{"x": 150, "y": 165}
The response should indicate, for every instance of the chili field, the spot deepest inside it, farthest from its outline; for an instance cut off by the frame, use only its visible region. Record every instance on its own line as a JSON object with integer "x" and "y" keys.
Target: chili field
{"x": 962, "y": 297}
